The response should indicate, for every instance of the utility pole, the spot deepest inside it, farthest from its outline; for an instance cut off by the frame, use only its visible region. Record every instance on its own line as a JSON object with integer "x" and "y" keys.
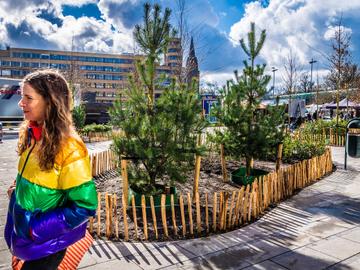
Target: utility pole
{"x": 311, "y": 69}
{"x": 273, "y": 69}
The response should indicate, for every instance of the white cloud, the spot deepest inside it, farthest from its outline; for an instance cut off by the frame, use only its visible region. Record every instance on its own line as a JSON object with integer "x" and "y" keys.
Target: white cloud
{"x": 302, "y": 26}
{"x": 216, "y": 77}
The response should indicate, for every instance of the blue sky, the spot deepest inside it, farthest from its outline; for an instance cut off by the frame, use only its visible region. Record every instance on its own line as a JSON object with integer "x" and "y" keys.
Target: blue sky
{"x": 303, "y": 27}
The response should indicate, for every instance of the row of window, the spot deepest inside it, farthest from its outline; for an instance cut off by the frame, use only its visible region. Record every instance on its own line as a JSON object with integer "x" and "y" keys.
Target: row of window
{"x": 104, "y": 68}
{"x": 62, "y": 66}
{"x": 34, "y": 65}
{"x": 71, "y": 58}
{"x": 105, "y": 94}
{"x": 94, "y": 76}
{"x": 104, "y": 85}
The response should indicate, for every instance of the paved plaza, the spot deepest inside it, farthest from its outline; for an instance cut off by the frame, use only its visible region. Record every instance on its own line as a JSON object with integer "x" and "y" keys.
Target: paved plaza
{"x": 319, "y": 228}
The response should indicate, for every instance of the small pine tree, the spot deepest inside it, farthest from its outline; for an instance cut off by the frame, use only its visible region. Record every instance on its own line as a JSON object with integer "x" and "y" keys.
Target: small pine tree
{"x": 250, "y": 132}
{"x": 160, "y": 135}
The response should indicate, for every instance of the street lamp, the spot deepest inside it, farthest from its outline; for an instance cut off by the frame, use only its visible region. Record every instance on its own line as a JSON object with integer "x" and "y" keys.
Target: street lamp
{"x": 311, "y": 63}
{"x": 273, "y": 69}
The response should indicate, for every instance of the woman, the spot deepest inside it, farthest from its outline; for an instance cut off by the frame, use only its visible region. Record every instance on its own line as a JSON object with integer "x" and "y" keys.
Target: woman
{"x": 54, "y": 194}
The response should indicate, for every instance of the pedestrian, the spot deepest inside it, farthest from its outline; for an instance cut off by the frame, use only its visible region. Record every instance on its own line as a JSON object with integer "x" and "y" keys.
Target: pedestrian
{"x": 53, "y": 195}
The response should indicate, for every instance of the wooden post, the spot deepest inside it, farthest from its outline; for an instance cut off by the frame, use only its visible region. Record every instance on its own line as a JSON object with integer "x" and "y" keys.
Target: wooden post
{"x": 125, "y": 181}
{"x": 214, "y": 211}
{"x": 223, "y": 163}
{"x": 224, "y": 218}
{"x": 143, "y": 208}
{"x": 206, "y": 213}
{"x": 134, "y": 216}
{"x": 196, "y": 176}
{"x": 107, "y": 216}
{"x": 154, "y": 216}
{"x": 173, "y": 213}
{"x": 279, "y": 156}
{"x": 116, "y": 217}
{"x": 190, "y": 214}
{"x": 126, "y": 228}
{"x": 182, "y": 213}
{"x": 231, "y": 209}
{"x": 91, "y": 225}
{"x": 198, "y": 214}
{"x": 163, "y": 215}
{"x": 99, "y": 215}
{"x": 221, "y": 209}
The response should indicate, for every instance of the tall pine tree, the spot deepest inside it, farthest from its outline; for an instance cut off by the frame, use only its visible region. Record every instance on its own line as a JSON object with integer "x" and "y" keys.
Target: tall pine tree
{"x": 250, "y": 132}
{"x": 160, "y": 135}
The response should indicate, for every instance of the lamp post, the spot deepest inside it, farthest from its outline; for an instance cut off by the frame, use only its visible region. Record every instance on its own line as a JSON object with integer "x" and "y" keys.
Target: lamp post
{"x": 273, "y": 69}
{"x": 311, "y": 69}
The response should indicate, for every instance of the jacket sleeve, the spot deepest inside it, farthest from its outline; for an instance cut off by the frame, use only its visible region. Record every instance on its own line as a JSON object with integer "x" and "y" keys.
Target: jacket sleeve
{"x": 76, "y": 182}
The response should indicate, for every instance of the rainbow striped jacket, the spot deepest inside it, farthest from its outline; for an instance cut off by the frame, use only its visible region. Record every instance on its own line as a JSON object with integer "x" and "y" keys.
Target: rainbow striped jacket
{"x": 49, "y": 209}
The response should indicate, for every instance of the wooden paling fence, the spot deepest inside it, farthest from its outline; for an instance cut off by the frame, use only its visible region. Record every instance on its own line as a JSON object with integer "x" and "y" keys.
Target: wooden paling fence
{"x": 103, "y": 161}
{"x": 332, "y": 136}
{"x": 206, "y": 213}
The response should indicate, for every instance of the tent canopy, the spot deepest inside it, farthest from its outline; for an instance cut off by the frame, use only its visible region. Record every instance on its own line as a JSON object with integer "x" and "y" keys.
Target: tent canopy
{"x": 343, "y": 104}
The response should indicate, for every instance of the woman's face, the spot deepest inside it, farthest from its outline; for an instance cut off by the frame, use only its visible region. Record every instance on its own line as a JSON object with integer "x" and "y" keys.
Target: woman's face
{"x": 32, "y": 104}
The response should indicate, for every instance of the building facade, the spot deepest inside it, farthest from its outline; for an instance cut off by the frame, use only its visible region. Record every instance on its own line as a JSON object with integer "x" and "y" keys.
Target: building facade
{"x": 101, "y": 76}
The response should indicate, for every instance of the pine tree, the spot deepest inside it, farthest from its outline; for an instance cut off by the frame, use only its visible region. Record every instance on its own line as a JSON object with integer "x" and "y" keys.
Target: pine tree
{"x": 250, "y": 132}
{"x": 160, "y": 135}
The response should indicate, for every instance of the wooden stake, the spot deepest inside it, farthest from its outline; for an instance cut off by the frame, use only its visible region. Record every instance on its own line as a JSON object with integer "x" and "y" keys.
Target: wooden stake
{"x": 198, "y": 214}
{"x": 99, "y": 215}
{"x": 116, "y": 217}
{"x": 107, "y": 216}
{"x": 134, "y": 216}
{"x": 125, "y": 181}
{"x": 154, "y": 216}
{"x": 231, "y": 209}
{"x": 173, "y": 213}
{"x": 214, "y": 211}
{"x": 163, "y": 215}
{"x": 190, "y": 214}
{"x": 143, "y": 208}
{"x": 182, "y": 213}
{"x": 206, "y": 213}
{"x": 126, "y": 228}
{"x": 196, "y": 176}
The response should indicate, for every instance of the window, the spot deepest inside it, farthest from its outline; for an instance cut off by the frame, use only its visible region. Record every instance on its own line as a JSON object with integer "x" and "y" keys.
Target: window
{"x": 35, "y": 55}
{"x": 5, "y": 63}
{"x": 45, "y": 56}
{"x": 35, "y": 65}
{"x": 44, "y": 65}
{"x": 16, "y": 54}
{"x": 15, "y": 73}
{"x": 25, "y": 64}
{"x": 15, "y": 64}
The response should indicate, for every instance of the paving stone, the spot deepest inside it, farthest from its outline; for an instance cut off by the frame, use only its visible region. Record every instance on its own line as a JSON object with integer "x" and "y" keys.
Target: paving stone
{"x": 304, "y": 258}
{"x": 207, "y": 245}
{"x": 336, "y": 247}
{"x": 160, "y": 257}
{"x": 352, "y": 263}
{"x": 255, "y": 252}
{"x": 353, "y": 234}
{"x": 266, "y": 265}
{"x": 113, "y": 265}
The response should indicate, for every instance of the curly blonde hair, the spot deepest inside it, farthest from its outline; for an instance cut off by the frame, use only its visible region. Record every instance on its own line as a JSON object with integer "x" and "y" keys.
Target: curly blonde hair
{"x": 57, "y": 126}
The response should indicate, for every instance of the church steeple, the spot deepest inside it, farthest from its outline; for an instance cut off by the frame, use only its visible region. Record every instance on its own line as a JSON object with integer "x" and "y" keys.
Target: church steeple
{"x": 192, "y": 67}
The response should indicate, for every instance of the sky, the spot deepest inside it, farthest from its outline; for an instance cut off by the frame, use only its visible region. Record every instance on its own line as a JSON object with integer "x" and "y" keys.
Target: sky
{"x": 302, "y": 27}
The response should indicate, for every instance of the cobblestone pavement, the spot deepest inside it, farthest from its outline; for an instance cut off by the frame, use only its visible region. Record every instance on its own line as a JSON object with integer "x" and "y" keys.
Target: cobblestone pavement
{"x": 319, "y": 228}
